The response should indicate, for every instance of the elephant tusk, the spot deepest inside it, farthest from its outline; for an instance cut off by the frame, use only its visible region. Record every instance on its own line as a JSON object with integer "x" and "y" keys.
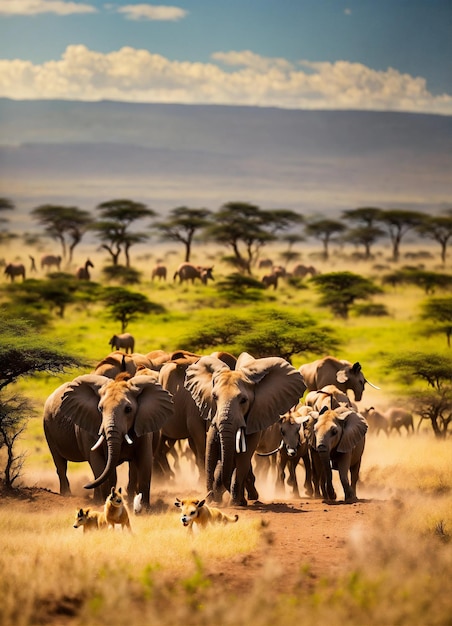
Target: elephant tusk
{"x": 372, "y": 385}
{"x": 128, "y": 439}
{"x": 243, "y": 440}
{"x": 237, "y": 441}
{"x": 280, "y": 447}
{"x": 98, "y": 443}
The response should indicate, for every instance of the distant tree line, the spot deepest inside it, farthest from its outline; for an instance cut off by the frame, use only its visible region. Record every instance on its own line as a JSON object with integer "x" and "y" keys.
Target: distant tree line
{"x": 243, "y": 228}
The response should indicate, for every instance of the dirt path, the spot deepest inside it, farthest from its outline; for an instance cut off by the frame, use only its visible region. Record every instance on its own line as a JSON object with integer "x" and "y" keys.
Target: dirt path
{"x": 298, "y": 535}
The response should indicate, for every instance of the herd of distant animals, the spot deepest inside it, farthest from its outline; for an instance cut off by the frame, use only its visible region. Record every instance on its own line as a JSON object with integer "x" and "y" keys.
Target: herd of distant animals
{"x": 238, "y": 416}
{"x": 186, "y": 272}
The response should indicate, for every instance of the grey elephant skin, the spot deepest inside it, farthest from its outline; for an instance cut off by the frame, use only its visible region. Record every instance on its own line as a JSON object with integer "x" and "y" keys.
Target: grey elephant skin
{"x": 125, "y": 341}
{"x": 117, "y": 362}
{"x": 239, "y": 403}
{"x": 292, "y": 446}
{"x": 186, "y": 421}
{"x": 121, "y": 415}
{"x": 331, "y": 371}
{"x": 189, "y": 272}
{"x": 337, "y": 438}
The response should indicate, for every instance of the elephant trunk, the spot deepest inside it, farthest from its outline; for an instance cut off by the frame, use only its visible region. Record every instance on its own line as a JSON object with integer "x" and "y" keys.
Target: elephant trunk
{"x": 327, "y": 472}
{"x": 227, "y": 446}
{"x": 113, "y": 455}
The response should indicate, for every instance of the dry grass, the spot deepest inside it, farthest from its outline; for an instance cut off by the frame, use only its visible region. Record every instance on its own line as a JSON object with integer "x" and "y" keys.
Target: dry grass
{"x": 398, "y": 571}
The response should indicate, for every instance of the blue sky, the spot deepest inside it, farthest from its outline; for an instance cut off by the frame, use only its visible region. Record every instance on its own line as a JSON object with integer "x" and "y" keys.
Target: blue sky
{"x": 339, "y": 54}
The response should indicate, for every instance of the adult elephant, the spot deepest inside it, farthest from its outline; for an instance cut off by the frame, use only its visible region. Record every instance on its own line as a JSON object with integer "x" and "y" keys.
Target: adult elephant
{"x": 126, "y": 341}
{"x": 399, "y": 418}
{"x": 240, "y": 403}
{"x": 106, "y": 422}
{"x": 330, "y": 397}
{"x": 117, "y": 362}
{"x": 331, "y": 371}
{"x": 49, "y": 260}
{"x": 188, "y": 271}
{"x": 292, "y": 447}
{"x": 15, "y": 269}
{"x": 160, "y": 272}
{"x": 337, "y": 438}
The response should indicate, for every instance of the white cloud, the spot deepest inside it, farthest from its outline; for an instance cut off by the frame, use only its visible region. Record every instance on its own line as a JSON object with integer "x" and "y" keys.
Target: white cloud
{"x": 35, "y": 7}
{"x": 136, "y": 75}
{"x": 152, "y": 12}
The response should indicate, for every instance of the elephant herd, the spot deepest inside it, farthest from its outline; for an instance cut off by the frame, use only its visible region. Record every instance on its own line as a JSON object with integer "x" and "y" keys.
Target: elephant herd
{"x": 235, "y": 413}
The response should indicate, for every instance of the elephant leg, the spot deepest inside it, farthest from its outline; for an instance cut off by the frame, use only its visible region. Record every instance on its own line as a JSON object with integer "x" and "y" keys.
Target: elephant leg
{"x": 61, "y": 469}
{"x": 244, "y": 474}
{"x": 250, "y": 485}
{"x": 293, "y": 462}
{"x": 143, "y": 460}
{"x": 308, "y": 474}
{"x": 354, "y": 477}
{"x": 317, "y": 475}
{"x": 281, "y": 473}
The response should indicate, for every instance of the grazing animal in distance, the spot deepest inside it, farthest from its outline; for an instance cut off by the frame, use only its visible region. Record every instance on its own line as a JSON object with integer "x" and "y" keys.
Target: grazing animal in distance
{"x": 197, "y": 512}
{"x": 83, "y": 272}
{"x": 302, "y": 271}
{"x": 270, "y": 280}
{"x": 90, "y": 520}
{"x": 159, "y": 272}
{"x": 15, "y": 269}
{"x": 187, "y": 271}
{"x": 125, "y": 341}
{"x": 398, "y": 418}
{"x": 115, "y": 510}
{"x": 48, "y": 260}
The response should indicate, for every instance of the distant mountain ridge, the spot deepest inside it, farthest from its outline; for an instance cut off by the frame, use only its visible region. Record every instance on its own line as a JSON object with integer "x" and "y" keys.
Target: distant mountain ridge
{"x": 167, "y": 155}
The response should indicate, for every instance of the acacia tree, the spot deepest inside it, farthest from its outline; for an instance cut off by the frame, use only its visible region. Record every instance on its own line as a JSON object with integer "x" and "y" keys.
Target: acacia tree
{"x": 268, "y": 333}
{"x": 366, "y": 233}
{"x": 124, "y": 306}
{"x": 439, "y": 229}
{"x": 5, "y": 205}
{"x": 438, "y": 313}
{"x": 435, "y": 403}
{"x": 182, "y": 226}
{"x": 65, "y": 224}
{"x": 340, "y": 290}
{"x": 325, "y": 230}
{"x": 398, "y": 223}
{"x": 239, "y": 224}
{"x": 22, "y": 353}
{"x": 113, "y": 228}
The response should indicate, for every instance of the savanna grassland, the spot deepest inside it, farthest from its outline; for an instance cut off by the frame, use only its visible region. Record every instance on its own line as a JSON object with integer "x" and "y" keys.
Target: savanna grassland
{"x": 386, "y": 560}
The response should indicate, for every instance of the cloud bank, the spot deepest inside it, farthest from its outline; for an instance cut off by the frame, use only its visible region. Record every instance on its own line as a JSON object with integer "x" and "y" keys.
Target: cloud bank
{"x": 235, "y": 78}
{"x": 36, "y": 7}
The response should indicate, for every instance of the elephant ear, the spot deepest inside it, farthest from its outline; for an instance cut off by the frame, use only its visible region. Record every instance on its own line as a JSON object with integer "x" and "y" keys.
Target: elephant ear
{"x": 80, "y": 399}
{"x": 354, "y": 429}
{"x": 198, "y": 381}
{"x": 155, "y": 404}
{"x": 278, "y": 387}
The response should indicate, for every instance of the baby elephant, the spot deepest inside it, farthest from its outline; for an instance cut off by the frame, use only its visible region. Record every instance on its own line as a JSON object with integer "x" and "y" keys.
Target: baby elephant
{"x": 197, "y": 512}
{"x": 125, "y": 341}
{"x": 90, "y": 520}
